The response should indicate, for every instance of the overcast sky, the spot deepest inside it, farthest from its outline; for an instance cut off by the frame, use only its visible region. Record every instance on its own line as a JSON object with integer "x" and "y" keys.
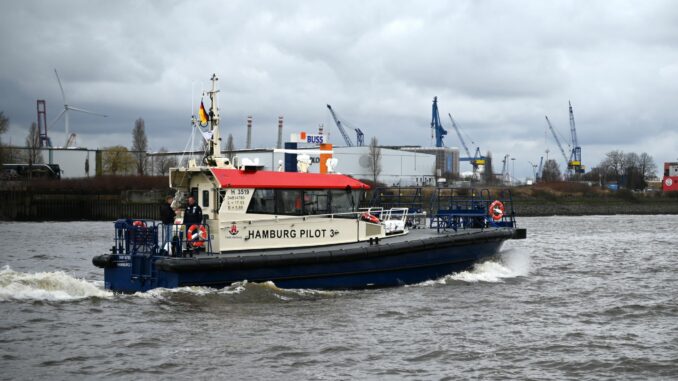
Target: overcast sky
{"x": 497, "y": 66}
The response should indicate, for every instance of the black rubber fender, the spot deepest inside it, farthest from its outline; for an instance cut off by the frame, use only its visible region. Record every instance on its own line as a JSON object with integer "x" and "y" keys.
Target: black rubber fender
{"x": 519, "y": 234}
{"x": 104, "y": 261}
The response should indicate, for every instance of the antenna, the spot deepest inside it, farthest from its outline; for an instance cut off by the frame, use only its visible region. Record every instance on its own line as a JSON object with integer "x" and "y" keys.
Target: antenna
{"x": 248, "y": 144}
{"x": 214, "y": 142}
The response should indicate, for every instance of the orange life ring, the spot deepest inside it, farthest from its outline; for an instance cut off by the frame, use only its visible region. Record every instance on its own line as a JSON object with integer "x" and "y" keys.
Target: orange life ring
{"x": 496, "y": 210}
{"x": 139, "y": 224}
{"x": 369, "y": 218}
{"x": 196, "y": 235}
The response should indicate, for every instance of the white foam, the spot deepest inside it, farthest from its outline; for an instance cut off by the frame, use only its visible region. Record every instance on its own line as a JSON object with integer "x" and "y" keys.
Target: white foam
{"x": 238, "y": 287}
{"x": 484, "y": 272}
{"x": 234, "y": 289}
{"x": 161, "y": 293}
{"x": 47, "y": 286}
{"x": 517, "y": 261}
{"x": 510, "y": 265}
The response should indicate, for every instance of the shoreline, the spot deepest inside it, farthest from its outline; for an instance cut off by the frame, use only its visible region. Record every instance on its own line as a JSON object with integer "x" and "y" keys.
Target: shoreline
{"x": 545, "y": 209}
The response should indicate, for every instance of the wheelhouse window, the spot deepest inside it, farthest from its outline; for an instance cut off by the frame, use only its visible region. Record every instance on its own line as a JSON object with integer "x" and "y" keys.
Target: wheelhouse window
{"x": 300, "y": 201}
{"x": 205, "y": 198}
{"x": 222, "y": 194}
{"x": 289, "y": 201}
{"x": 316, "y": 202}
{"x": 343, "y": 201}
{"x": 263, "y": 201}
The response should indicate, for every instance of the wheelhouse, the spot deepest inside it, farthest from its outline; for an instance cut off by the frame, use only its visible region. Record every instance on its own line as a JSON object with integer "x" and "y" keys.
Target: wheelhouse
{"x": 242, "y": 206}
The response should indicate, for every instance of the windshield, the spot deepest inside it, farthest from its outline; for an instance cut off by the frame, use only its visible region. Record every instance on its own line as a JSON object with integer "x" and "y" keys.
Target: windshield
{"x": 303, "y": 201}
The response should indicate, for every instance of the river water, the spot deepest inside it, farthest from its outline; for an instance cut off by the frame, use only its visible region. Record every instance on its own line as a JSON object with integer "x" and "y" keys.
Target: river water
{"x": 582, "y": 298}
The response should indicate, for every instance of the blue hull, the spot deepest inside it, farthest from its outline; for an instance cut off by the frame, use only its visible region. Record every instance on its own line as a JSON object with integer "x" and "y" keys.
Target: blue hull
{"x": 394, "y": 271}
{"x": 372, "y": 266}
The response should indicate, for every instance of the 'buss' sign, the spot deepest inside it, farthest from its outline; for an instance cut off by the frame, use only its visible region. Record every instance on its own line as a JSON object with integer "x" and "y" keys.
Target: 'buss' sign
{"x": 313, "y": 139}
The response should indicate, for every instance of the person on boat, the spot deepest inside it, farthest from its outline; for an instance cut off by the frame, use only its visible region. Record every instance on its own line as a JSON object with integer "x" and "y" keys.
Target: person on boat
{"x": 192, "y": 213}
{"x": 192, "y": 216}
{"x": 167, "y": 215}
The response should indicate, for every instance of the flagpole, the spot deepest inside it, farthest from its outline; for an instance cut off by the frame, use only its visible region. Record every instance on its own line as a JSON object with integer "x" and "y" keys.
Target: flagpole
{"x": 214, "y": 150}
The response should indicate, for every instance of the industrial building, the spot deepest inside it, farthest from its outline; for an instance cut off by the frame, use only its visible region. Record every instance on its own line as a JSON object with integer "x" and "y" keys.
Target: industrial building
{"x": 403, "y": 167}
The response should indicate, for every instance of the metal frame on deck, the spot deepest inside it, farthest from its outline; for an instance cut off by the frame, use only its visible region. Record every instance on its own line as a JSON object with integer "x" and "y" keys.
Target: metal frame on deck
{"x": 137, "y": 246}
{"x": 449, "y": 208}
{"x": 468, "y": 208}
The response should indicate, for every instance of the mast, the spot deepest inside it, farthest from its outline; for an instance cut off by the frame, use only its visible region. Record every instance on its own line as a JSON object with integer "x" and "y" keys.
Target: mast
{"x": 214, "y": 143}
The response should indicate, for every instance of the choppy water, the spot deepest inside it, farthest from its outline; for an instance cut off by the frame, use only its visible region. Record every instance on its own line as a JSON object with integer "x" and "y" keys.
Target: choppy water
{"x": 582, "y": 298}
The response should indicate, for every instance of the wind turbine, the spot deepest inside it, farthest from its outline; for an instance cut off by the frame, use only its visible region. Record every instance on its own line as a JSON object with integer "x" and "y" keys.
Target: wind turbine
{"x": 70, "y": 138}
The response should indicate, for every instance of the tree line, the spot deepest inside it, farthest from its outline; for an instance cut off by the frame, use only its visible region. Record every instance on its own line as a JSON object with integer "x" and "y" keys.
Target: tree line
{"x": 31, "y": 155}
{"x": 119, "y": 160}
{"x": 629, "y": 170}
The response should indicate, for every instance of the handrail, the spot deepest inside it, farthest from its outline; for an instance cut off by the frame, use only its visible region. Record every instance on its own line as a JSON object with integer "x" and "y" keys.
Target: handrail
{"x": 149, "y": 238}
{"x": 453, "y": 208}
{"x": 376, "y": 211}
{"x": 179, "y": 241}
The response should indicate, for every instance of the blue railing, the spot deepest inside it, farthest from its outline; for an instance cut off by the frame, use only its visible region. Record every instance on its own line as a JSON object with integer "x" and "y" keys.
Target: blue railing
{"x": 178, "y": 242}
{"x": 148, "y": 238}
{"x": 467, "y": 208}
{"x": 139, "y": 243}
{"x": 136, "y": 246}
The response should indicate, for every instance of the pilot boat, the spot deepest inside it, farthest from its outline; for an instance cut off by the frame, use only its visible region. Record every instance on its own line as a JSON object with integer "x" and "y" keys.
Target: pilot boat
{"x": 300, "y": 230}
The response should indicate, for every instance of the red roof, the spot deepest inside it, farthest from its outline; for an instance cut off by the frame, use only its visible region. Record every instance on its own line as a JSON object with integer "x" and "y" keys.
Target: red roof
{"x": 234, "y": 178}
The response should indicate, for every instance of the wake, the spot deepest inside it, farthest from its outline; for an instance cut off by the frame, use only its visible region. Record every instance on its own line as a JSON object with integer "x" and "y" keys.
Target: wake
{"x": 53, "y": 286}
{"x": 510, "y": 264}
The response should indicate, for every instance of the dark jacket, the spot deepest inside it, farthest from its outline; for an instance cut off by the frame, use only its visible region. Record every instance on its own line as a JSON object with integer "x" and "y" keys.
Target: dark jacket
{"x": 167, "y": 214}
{"x": 192, "y": 215}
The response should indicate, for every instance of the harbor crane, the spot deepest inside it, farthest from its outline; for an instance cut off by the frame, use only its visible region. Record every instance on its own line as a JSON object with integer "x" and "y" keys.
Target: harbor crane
{"x": 575, "y": 156}
{"x": 360, "y": 137}
{"x": 505, "y": 169}
{"x": 537, "y": 172}
{"x": 534, "y": 169}
{"x": 45, "y": 141}
{"x": 560, "y": 146}
{"x": 436, "y": 127}
{"x": 477, "y": 159}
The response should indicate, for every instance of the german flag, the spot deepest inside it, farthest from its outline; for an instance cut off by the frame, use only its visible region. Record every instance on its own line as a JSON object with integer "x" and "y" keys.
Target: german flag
{"x": 202, "y": 113}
